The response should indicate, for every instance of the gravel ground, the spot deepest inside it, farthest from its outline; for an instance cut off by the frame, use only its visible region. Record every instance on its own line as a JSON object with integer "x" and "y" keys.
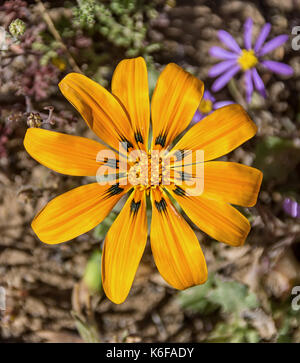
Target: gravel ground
{"x": 47, "y": 299}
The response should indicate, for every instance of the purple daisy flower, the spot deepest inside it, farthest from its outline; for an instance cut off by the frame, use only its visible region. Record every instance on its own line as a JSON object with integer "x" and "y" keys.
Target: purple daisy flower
{"x": 247, "y": 59}
{"x": 291, "y": 207}
{"x": 207, "y": 105}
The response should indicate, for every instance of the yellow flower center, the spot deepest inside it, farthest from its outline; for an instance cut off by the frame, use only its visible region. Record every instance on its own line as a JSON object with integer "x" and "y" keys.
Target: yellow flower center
{"x": 206, "y": 106}
{"x": 247, "y": 59}
{"x": 148, "y": 170}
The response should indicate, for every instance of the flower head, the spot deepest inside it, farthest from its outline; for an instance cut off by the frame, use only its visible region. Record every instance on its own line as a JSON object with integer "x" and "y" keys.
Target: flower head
{"x": 123, "y": 116}
{"x": 246, "y": 59}
{"x": 17, "y": 28}
{"x": 207, "y": 105}
{"x": 34, "y": 120}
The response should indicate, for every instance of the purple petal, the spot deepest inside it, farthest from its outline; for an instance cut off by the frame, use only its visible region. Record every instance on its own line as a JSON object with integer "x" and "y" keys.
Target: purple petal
{"x": 248, "y": 33}
{"x": 248, "y": 85}
{"x": 229, "y": 41}
{"x": 262, "y": 36}
{"x": 278, "y": 67}
{"x": 273, "y": 44}
{"x": 208, "y": 96}
{"x": 221, "y": 67}
{"x": 258, "y": 82}
{"x": 294, "y": 209}
{"x": 287, "y": 205}
{"x": 198, "y": 116}
{"x": 222, "y": 104}
{"x": 221, "y": 53}
{"x": 291, "y": 207}
{"x": 287, "y": 202}
{"x": 225, "y": 78}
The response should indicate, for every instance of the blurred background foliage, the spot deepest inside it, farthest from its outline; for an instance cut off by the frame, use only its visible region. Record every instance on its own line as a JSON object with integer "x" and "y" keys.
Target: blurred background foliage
{"x": 54, "y": 292}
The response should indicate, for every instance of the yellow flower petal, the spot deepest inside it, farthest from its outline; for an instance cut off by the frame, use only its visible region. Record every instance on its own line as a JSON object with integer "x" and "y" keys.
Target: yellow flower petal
{"x": 66, "y": 154}
{"x": 101, "y": 110}
{"x": 176, "y": 250}
{"x": 123, "y": 248}
{"x": 227, "y": 181}
{"x": 75, "y": 212}
{"x": 130, "y": 86}
{"x": 216, "y": 218}
{"x": 219, "y": 133}
{"x": 231, "y": 182}
{"x": 175, "y": 100}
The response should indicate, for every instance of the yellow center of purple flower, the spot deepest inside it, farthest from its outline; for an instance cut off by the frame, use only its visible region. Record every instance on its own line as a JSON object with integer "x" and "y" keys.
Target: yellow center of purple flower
{"x": 206, "y": 106}
{"x": 247, "y": 59}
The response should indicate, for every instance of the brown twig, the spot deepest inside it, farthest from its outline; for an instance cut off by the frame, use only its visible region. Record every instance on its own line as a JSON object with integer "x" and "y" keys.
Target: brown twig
{"x": 56, "y": 35}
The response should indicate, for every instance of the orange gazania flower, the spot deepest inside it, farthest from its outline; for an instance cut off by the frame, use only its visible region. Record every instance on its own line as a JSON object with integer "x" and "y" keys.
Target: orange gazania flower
{"x": 124, "y": 115}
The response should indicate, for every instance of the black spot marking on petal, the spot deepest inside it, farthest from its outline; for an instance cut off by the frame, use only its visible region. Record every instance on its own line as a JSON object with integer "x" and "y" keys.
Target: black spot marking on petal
{"x": 114, "y": 190}
{"x": 161, "y": 206}
{"x": 180, "y": 154}
{"x": 138, "y": 137}
{"x": 135, "y": 206}
{"x": 161, "y": 140}
{"x": 128, "y": 143}
{"x": 184, "y": 176}
{"x": 179, "y": 191}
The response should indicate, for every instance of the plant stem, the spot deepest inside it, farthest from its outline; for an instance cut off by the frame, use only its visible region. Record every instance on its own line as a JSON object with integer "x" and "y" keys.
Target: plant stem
{"x": 56, "y": 35}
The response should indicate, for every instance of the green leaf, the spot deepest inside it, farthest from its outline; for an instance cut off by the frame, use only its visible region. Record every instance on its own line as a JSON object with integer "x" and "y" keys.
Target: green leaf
{"x": 92, "y": 274}
{"x": 232, "y": 297}
{"x": 87, "y": 331}
{"x": 195, "y": 298}
{"x": 234, "y": 331}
